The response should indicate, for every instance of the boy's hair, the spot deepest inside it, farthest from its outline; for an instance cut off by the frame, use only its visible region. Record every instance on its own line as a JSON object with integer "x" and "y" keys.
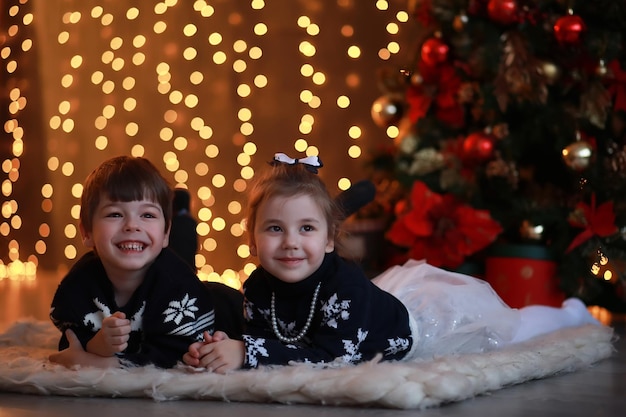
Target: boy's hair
{"x": 285, "y": 180}
{"x": 125, "y": 178}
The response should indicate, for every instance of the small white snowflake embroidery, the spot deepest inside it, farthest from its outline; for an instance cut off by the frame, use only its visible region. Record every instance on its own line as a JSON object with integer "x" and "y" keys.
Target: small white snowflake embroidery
{"x": 96, "y": 317}
{"x": 254, "y": 348}
{"x": 396, "y": 345}
{"x": 352, "y": 350}
{"x": 266, "y": 314}
{"x": 178, "y": 309}
{"x": 248, "y": 309}
{"x": 288, "y": 329}
{"x": 335, "y": 310}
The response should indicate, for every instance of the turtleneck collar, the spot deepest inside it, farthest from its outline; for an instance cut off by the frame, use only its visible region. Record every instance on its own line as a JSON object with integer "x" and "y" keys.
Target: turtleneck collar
{"x": 307, "y": 285}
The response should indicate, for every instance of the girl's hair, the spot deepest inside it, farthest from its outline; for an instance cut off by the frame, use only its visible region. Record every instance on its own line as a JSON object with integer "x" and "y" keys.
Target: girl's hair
{"x": 125, "y": 178}
{"x": 284, "y": 180}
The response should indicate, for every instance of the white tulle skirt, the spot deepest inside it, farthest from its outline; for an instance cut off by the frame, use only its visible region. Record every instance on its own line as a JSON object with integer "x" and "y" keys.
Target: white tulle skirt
{"x": 451, "y": 313}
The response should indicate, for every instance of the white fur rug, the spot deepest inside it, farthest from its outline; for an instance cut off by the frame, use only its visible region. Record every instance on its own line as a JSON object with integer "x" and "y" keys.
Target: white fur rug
{"x": 24, "y": 368}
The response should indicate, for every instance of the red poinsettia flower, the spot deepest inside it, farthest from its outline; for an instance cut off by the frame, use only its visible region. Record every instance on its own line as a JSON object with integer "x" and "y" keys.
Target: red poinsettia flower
{"x": 596, "y": 221}
{"x": 439, "y": 88}
{"x": 441, "y": 229}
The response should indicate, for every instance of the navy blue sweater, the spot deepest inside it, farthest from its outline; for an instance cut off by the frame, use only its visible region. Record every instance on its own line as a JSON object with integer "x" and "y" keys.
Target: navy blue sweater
{"x": 168, "y": 311}
{"x": 354, "y": 319}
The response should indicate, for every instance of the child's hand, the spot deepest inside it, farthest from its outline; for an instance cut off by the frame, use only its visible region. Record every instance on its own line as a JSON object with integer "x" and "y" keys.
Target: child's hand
{"x": 192, "y": 356}
{"x": 70, "y": 356}
{"x": 75, "y": 355}
{"x": 217, "y": 353}
{"x": 112, "y": 337}
{"x": 218, "y": 335}
{"x": 224, "y": 355}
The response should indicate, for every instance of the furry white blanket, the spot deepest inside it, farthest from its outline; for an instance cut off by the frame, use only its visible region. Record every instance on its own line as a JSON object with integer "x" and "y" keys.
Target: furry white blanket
{"x": 24, "y": 368}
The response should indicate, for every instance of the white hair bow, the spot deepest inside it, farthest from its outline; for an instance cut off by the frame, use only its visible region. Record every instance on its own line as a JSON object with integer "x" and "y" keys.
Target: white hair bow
{"x": 310, "y": 162}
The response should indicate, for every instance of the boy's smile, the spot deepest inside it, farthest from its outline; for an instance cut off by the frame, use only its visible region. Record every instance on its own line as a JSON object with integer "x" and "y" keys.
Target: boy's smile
{"x": 127, "y": 236}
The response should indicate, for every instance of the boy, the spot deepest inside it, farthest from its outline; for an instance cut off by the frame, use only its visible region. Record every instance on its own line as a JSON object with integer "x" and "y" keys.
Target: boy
{"x": 130, "y": 301}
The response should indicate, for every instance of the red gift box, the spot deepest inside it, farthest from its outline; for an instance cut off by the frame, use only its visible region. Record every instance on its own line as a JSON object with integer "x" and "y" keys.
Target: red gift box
{"x": 524, "y": 275}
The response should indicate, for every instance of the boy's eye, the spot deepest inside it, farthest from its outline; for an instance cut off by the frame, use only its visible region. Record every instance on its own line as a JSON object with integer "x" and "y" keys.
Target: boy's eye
{"x": 150, "y": 215}
{"x": 114, "y": 214}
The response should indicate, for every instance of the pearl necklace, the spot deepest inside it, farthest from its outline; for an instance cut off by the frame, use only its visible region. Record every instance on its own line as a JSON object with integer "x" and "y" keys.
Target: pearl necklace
{"x": 300, "y": 335}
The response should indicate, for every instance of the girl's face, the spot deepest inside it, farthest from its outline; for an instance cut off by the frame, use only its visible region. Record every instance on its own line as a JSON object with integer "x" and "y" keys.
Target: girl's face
{"x": 127, "y": 236}
{"x": 291, "y": 237}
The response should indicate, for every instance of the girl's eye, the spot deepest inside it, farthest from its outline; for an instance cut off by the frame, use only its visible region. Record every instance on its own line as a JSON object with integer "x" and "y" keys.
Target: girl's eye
{"x": 308, "y": 228}
{"x": 274, "y": 228}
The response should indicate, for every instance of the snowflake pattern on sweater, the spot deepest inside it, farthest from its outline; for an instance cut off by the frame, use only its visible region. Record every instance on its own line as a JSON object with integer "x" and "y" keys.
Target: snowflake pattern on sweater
{"x": 334, "y": 311}
{"x": 354, "y": 320}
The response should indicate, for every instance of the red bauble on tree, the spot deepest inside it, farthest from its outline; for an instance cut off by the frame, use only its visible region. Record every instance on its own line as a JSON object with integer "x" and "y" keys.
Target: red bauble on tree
{"x": 477, "y": 148}
{"x": 434, "y": 51}
{"x": 568, "y": 30}
{"x": 503, "y": 11}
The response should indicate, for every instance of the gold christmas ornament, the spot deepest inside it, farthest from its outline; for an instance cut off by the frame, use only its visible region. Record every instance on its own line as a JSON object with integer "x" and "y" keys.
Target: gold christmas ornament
{"x": 387, "y": 110}
{"x": 416, "y": 79}
{"x": 577, "y": 155}
{"x": 602, "y": 70}
{"x": 550, "y": 71}
{"x": 529, "y": 230}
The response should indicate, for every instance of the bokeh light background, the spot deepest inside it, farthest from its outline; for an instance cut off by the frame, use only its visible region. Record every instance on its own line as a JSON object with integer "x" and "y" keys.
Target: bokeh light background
{"x": 207, "y": 90}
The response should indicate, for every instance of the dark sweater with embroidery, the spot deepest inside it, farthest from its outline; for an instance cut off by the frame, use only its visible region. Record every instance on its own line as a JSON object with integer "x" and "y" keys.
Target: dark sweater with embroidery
{"x": 354, "y": 319}
{"x": 169, "y": 310}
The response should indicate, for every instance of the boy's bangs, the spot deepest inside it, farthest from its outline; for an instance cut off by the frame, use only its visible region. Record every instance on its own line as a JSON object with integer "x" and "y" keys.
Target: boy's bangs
{"x": 129, "y": 189}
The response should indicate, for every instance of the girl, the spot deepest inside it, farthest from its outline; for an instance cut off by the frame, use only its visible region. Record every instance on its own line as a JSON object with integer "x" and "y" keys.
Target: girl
{"x": 305, "y": 303}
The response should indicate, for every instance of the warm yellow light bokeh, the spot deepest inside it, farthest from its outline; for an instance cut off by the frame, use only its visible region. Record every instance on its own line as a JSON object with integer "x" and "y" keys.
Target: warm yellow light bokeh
{"x": 208, "y": 92}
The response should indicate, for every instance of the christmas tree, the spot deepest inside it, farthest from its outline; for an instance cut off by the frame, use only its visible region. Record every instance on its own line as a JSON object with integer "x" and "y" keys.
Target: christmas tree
{"x": 511, "y": 121}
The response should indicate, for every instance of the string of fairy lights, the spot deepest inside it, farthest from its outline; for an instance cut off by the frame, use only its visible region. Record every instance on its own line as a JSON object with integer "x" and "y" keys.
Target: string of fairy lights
{"x": 190, "y": 85}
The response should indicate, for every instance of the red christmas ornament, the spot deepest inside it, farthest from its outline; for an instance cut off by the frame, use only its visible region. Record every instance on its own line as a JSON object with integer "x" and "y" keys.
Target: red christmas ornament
{"x": 503, "y": 11}
{"x": 478, "y": 147}
{"x": 568, "y": 30}
{"x": 434, "y": 51}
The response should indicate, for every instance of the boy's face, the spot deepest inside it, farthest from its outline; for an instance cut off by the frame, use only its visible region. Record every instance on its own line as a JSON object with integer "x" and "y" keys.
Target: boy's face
{"x": 291, "y": 237}
{"x": 127, "y": 236}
